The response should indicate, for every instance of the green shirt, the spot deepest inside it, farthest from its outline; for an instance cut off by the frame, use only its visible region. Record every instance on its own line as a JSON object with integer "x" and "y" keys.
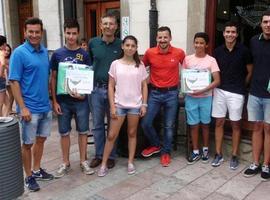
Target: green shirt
{"x": 102, "y": 54}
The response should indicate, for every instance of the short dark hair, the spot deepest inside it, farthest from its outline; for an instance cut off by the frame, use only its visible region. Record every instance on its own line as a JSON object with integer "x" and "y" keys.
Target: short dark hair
{"x": 265, "y": 13}
{"x": 110, "y": 15}
{"x": 165, "y": 28}
{"x": 203, "y": 35}
{"x": 3, "y": 40}
{"x": 71, "y": 23}
{"x": 33, "y": 21}
{"x": 231, "y": 23}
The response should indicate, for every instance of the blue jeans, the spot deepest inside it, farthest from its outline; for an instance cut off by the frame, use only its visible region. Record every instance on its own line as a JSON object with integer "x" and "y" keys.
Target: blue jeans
{"x": 169, "y": 101}
{"x": 100, "y": 107}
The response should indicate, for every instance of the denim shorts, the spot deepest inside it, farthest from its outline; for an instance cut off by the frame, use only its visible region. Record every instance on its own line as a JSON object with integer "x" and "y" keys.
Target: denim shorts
{"x": 258, "y": 109}
{"x": 40, "y": 125}
{"x": 80, "y": 111}
{"x": 198, "y": 109}
{"x": 2, "y": 84}
{"x": 125, "y": 111}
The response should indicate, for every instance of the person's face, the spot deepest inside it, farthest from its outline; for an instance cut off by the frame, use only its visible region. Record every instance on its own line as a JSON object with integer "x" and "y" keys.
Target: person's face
{"x": 3, "y": 47}
{"x": 84, "y": 46}
{"x": 129, "y": 47}
{"x": 230, "y": 34}
{"x": 163, "y": 39}
{"x": 7, "y": 51}
{"x": 200, "y": 45}
{"x": 265, "y": 25}
{"x": 33, "y": 34}
{"x": 71, "y": 36}
{"x": 108, "y": 26}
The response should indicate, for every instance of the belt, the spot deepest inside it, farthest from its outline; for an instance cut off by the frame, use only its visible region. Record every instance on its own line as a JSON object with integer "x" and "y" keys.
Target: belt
{"x": 101, "y": 85}
{"x": 163, "y": 89}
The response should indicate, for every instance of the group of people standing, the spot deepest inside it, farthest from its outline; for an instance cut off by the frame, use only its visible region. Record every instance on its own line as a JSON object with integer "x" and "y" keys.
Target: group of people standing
{"x": 124, "y": 89}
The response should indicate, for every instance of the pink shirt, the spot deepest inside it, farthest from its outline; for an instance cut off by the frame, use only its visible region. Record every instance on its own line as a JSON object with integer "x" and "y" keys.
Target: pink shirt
{"x": 128, "y": 88}
{"x": 207, "y": 62}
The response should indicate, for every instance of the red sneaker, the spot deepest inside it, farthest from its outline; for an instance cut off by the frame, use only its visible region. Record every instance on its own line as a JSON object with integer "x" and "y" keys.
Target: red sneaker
{"x": 150, "y": 151}
{"x": 165, "y": 160}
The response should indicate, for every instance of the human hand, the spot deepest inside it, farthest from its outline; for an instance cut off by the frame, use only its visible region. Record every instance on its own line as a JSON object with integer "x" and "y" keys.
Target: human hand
{"x": 143, "y": 111}
{"x": 26, "y": 114}
{"x": 113, "y": 113}
{"x": 74, "y": 93}
{"x": 57, "y": 108}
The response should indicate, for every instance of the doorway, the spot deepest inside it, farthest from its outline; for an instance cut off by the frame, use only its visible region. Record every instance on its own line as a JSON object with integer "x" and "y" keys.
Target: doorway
{"x": 247, "y": 13}
{"x": 93, "y": 11}
{"x": 25, "y": 10}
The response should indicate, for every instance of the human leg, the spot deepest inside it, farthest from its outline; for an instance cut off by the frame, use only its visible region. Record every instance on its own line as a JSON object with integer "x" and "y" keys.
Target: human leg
{"x": 133, "y": 121}
{"x": 154, "y": 104}
{"x": 219, "y": 132}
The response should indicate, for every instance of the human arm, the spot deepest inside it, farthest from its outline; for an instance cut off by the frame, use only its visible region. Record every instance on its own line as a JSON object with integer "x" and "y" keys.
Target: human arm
{"x": 2, "y": 63}
{"x": 144, "y": 98}
{"x": 56, "y": 106}
{"x": 111, "y": 87}
{"x": 16, "y": 90}
{"x": 249, "y": 73}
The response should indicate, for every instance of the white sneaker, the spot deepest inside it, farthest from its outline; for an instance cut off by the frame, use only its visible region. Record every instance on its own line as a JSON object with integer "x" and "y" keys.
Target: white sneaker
{"x": 86, "y": 168}
{"x": 62, "y": 171}
{"x": 131, "y": 169}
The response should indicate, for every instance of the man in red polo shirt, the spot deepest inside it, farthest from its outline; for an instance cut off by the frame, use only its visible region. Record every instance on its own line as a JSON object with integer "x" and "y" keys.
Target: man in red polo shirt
{"x": 164, "y": 61}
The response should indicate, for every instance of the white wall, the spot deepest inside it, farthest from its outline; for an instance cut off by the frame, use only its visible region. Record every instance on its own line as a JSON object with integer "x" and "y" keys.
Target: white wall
{"x": 172, "y": 13}
{"x": 48, "y": 12}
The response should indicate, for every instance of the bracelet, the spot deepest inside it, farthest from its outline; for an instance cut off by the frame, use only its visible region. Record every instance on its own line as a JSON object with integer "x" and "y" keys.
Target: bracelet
{"x": 145, "y": 105}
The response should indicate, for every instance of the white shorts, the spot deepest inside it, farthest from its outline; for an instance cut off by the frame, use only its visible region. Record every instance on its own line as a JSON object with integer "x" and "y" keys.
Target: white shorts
{"x": 223, "y": 101}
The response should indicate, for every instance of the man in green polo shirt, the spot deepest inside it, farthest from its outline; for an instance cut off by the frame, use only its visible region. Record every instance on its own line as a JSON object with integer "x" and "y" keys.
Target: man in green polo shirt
{"x": 102, "y": 50}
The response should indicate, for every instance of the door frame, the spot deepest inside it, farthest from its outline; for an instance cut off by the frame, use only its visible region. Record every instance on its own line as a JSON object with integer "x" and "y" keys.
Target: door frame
{"x": 100, "y": 7}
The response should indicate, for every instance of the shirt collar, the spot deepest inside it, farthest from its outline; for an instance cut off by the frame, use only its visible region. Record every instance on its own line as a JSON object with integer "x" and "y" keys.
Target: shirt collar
{"x": 261, "y": 37}
{"x": 32, "y": 49}
{"x": 235, "y": 46}
{"x": 158, "y": 50}
{"x": 104, "y": 42}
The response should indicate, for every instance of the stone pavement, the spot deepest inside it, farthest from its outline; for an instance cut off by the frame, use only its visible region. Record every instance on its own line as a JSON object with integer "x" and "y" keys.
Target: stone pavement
{"x": 151, "y": 181}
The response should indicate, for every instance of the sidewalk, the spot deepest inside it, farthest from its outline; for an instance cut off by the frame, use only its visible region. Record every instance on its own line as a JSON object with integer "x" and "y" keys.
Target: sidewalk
{"x": 178, "y": 181}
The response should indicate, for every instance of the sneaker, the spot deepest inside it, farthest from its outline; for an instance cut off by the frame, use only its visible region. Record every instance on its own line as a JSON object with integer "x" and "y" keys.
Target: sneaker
{"x": 205, "y": 156}
{"x": 95, "y": 162}
{"x": 42, "y": 175}
{"x": 252, "y": 170}
{"x": 265, "y": 174}
{"x": 234, "y": 163}
{"x": 150, "y": 151}
{"x": 62, "y": 171}
{"x": 131, "y": 169}
{"x": 165, "y": 160}
{"x": 194, "y": 157}
{"x": 103, "y": 171}
{"x": 86, "y": 169}
{"x": 217, "y": 160}
{"x": 31, "y": 184}
{"x": 110, "y": 163}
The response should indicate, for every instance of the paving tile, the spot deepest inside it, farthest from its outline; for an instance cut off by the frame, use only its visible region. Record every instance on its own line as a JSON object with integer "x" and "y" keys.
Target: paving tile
{"x": 260, "y": 192}
{"x": 239, "y": 186}
{"x": 191, "y": 172}
{"x": 218, "y": 196}
{"x": 189, "y": 193}
{"x": 148, "y": 194}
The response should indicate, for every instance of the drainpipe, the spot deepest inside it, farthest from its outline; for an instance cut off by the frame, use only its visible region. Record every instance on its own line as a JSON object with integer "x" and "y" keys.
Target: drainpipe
{"x": 153, "y": 22}
{"x": 60, "y": 22}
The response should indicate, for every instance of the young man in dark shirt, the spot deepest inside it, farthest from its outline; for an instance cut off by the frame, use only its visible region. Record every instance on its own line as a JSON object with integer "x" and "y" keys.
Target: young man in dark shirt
{"x": 234, "y": 61}
{"x": 259, "y": 100}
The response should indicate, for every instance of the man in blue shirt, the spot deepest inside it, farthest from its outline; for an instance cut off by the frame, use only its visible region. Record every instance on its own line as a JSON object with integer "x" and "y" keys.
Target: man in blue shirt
{"x": 29, "y": 77}
{"x": 67, "y": 105}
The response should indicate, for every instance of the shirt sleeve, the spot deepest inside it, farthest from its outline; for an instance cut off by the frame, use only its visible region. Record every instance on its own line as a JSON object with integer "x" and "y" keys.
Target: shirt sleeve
{"x": 54, "y": 63}
{"x": 112, "y": 70}
{"x": 145, "y": 59}
{"x": 15, "y": 66}
{"x": 143, "y": 72}
{"x": 248, "y": 56}
{"x": 90, "y": 53}
{"x": 214, "y": 66}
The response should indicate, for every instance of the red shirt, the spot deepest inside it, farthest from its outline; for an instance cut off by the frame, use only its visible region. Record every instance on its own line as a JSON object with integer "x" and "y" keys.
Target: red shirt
{"x": 164, "y": 67}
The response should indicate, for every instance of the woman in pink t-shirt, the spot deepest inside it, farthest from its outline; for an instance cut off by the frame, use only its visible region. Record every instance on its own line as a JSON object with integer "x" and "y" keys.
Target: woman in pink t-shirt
{"x": 127, "y": 97}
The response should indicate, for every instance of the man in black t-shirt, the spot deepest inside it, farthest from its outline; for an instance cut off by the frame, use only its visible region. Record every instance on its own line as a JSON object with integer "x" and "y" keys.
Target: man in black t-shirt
{"x": 259, "y": 100}
{"x": 234, "y": 61}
